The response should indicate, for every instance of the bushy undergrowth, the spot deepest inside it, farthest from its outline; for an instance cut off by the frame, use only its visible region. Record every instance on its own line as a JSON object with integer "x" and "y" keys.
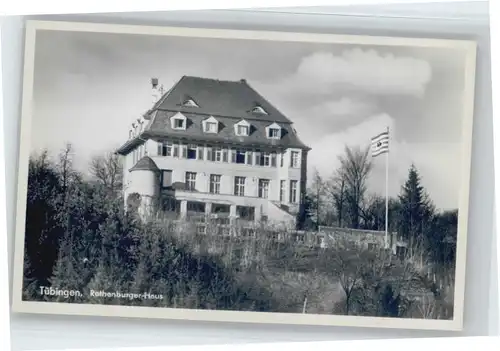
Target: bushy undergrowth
{"x": 78, "y": 237}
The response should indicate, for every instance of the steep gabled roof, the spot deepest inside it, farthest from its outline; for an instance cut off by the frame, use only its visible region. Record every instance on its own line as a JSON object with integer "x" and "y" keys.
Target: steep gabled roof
{"x": 229, "y": 102}
{"x": 145, "y": 164}
{"x": 219, "y": 98}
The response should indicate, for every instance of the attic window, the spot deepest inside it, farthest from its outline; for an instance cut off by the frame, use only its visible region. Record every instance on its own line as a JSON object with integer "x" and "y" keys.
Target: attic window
{"x": 259, "y": 110}
{"x": 242, "y": 128}
{"x": 178, "y": 122}
{"x": 273, "y": 131}
{"x": 211, "y": 125}
{"x": 189, "y": 103}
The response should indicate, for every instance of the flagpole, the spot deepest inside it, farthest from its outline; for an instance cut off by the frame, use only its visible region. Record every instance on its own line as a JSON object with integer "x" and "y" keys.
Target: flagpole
{"x": 387, "y": 192}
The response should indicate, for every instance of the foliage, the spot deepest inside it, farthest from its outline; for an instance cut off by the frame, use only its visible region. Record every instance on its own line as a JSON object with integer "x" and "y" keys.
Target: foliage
{"x": 80, "y": 236}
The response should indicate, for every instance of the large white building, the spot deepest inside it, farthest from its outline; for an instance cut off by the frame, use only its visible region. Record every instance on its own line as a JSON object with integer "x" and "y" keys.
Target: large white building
{"x": 217, "y": 149}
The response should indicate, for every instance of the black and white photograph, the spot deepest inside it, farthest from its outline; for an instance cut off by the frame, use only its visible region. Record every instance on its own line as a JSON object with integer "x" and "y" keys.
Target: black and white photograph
{"x": 245, "y": 176}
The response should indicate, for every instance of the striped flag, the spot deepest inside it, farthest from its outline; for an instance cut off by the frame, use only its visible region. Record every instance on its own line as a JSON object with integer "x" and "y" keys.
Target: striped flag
{"x": 380, "y": 144}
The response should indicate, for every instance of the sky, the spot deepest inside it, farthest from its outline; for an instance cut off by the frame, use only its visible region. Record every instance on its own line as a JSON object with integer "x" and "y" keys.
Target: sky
{"x": 89, "y": 87}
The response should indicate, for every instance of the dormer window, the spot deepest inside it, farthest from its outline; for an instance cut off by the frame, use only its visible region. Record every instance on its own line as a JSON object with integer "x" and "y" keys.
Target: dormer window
{"x": 273, "y": 131}
{"x": 242, "y": 128}
{"x": 211, "y": 125}
{"x": 259, "y": 110}
{"x": 178, "y": 121}
{"x": 189, "y": 103}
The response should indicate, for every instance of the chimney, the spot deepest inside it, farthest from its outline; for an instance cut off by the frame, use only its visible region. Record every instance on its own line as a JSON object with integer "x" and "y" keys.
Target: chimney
{"x": 154, "y": 82}
{"x": 156, "y": 90}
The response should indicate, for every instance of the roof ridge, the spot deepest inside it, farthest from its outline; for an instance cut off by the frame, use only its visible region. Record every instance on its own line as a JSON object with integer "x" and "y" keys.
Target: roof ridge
{"x": 242, "y": 80}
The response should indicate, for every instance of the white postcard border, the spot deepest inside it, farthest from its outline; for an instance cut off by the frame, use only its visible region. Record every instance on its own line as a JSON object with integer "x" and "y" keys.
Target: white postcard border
{"x": 18, "y": 305}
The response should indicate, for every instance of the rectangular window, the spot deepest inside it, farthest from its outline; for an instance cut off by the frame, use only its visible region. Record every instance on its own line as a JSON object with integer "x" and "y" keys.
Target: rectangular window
{"x": 274, "y": 133}
{"x": 240, "y": 156}
{"x": 265, "y": 159}
{"x": 239, "y": 186}
{"x": 282, "y": 159}
{"x": 294, "y": 159}
{"x": 264, "y": 188}
{"x": 282, "y": 190}
{"x": 175, "y": 150}
{"x": 190, "y": 181}
{"x": 166, "y": 178}
{"x": 293, "y": 191}
{"x": 192, "y": 151}
{"x": 215, "y": 183}
{"x": 211, "y": 127}
{"x": 242, "y": 130}
{"x": 217, "y": 154}
{"x": 178, "y": 123}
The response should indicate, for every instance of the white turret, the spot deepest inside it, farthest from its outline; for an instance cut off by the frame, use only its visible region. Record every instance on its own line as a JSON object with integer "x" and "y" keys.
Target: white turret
{"x": 145, "y": 181}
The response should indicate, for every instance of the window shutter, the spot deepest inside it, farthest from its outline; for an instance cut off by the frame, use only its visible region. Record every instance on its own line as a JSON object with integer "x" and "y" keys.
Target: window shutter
{"x": 224, "y": 155}
{"x": 200, "y": 153}
{"x": 233, "y": 156}
{"x": 160, "y": 149}
{"x": 175, "y": 149}
{"x": 184, "y": 151}
{"x": 273, "y": 159}
{"x": 257, "y": 158}
{"x": 249, "y": 157}
{"x": 209, "y": 154}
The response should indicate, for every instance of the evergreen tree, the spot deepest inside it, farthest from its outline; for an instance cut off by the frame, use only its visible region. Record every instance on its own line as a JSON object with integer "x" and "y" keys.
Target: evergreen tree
{"x": 416, "y": 209}
{"x": 305, "y": 216}
{"x": 42, "y": 230}
{"x": 65, "y": 273}
{"x": 443, "y": 237}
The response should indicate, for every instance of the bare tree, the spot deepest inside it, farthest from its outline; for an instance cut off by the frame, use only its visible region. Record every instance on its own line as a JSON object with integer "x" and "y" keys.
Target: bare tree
{"x": 317, "y": 194}
{"x": 65, "y": 167}
{"x": 108, "y": 171}
{"x": 348, "y": 263}
{"x": 336, "y": 192}
{"x": 355, "y": 167}
{"x": 372, "y": 212}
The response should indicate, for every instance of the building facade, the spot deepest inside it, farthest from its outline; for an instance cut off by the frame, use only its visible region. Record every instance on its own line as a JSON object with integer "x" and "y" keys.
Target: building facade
{"x": 218, "y": 149}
